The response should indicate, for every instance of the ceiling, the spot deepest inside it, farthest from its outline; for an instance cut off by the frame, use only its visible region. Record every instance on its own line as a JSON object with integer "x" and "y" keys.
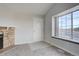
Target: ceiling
{"x": 26, "y": 8}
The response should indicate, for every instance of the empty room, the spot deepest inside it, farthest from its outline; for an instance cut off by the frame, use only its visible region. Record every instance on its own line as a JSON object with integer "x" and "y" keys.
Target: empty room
{"x": 39, "y": 29}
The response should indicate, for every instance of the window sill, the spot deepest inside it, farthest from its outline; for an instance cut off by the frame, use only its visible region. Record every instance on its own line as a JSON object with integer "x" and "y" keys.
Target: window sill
{"x": 72, "y": 41}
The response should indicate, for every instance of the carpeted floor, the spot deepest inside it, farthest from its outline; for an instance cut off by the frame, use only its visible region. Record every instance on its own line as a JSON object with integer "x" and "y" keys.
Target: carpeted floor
{"x": 35, "y": 49}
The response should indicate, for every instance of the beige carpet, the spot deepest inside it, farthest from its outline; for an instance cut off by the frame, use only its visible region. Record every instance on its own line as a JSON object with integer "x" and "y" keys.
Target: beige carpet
{"x": 34, "y": 49}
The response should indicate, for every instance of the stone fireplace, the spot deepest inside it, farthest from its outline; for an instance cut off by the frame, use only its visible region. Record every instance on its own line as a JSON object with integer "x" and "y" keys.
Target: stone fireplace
{"x": 7, "y": 36}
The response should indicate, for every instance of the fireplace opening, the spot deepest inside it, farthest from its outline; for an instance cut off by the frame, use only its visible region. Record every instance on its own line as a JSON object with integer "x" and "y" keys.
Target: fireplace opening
{"x": 1, "y": 40}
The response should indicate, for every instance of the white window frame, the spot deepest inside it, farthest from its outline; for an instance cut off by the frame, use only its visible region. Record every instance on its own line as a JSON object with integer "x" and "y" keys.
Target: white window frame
{"x": 61, "y": 14}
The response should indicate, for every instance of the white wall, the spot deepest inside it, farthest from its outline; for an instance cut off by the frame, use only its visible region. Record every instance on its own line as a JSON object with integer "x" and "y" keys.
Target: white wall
{"x": 24, "y": 26}
{"x": 68, "y": 46}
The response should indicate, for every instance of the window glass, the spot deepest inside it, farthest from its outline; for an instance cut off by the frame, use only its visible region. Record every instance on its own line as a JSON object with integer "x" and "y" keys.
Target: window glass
{"x": 67, "y": 26}
{"x": 76, "y": 25}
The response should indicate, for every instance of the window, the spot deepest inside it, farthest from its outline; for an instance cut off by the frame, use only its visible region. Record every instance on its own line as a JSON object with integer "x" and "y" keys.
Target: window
{"x": 67, "y": 26}
{"x": 76, "y": 25}
{"x": 64, "y": 26}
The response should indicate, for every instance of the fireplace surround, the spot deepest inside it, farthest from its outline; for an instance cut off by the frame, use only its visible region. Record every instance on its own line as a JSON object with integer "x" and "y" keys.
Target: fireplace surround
{"x": 7, "y": 36}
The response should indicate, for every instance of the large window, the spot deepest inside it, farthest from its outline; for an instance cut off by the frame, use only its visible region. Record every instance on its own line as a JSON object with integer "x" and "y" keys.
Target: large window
{"x": 64, "y": 26}
{"x": 67, "y": 26}
{"x": 76, "y": 26}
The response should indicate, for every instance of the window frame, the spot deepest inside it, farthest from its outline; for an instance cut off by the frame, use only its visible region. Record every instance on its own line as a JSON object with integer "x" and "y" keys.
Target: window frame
{"x": 70, "y": 11}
